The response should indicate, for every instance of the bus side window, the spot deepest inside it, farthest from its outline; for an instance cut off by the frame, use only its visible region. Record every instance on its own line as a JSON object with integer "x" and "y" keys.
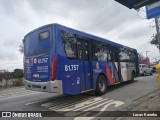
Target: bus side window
{"x": 124, "y": 55}
{"x": 69, "y": 44}
{"x": 79, "y": 49}
{"x": 100, "y": 52}
{"x": 83, "y": 49}
{"x": 114, "y": 55}
{"x": 105, "y": 53}
{"x": 86, "y": 51}
{"x": 109, "y": 55}
{"x": 132, "y": 57}
{"x": 95, "y": 51}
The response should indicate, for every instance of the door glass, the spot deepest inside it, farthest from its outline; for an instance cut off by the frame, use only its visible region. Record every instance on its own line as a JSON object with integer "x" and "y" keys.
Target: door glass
{"x": 80, "y": 50}
{"x": 83, "y": 53}
{"x": 86, "y": 54}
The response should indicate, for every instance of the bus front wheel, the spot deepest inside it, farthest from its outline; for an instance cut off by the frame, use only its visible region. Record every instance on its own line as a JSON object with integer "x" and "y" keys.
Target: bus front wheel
{"x": 101, "y": 85}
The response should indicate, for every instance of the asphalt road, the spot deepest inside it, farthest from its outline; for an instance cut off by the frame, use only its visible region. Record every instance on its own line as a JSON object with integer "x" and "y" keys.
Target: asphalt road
{"x": 118, "y": 97}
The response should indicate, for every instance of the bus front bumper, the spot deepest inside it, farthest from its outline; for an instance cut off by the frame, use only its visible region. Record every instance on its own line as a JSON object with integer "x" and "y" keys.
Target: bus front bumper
{"x": 50, "y": 86}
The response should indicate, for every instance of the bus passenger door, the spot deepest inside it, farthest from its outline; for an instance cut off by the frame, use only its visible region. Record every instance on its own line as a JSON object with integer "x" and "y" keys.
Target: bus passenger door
{"x": 116, "y": 71}
{"x": 85, "y": 63}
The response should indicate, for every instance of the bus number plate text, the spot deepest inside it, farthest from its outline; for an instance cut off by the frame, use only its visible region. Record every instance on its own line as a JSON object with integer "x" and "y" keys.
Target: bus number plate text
{"x": 71, "y": 67}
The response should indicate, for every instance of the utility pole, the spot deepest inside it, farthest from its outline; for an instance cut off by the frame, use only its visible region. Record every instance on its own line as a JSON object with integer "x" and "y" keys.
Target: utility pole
{"x": 158, "y": 33}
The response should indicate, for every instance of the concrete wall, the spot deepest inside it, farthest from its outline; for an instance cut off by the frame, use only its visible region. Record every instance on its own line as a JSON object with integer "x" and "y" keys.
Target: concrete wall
{"x": 10, "y": 82}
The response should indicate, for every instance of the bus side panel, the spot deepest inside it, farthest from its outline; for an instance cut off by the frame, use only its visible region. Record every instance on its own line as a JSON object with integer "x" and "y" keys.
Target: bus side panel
{"x": 126, "y": 70}
{"x": 104, "y": 68}
{"x": 69, "y": 69}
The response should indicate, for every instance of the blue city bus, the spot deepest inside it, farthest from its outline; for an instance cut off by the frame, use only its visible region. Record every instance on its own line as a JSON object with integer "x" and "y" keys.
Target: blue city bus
{"x": 67, "y": 61}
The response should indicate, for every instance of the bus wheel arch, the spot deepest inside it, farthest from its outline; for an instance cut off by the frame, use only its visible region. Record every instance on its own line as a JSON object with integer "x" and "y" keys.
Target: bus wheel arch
{"x": 101, "y": 85}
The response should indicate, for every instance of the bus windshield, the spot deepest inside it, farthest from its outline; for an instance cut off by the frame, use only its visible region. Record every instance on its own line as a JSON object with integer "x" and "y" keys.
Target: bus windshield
{"x": 37, "y": 42}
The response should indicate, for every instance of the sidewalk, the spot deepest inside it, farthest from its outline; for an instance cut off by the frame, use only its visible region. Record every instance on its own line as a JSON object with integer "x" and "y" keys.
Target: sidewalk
{"x": 153, "y": 103}
{"x": 149, "y": 102}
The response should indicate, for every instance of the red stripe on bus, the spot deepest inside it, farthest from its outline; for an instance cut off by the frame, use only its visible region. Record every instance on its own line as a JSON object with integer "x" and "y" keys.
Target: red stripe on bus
{"x": 109, "y": 75}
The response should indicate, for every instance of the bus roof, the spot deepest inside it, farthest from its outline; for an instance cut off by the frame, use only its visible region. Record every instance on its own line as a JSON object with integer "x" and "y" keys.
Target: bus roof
{"x": 83, "y": 34}
{"x": 87, "y": 35}
{"x": 48, "y": 25}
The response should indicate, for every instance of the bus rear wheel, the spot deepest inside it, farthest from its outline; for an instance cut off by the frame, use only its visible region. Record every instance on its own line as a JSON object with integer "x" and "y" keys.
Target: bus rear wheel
{"x": 101, "y": 86}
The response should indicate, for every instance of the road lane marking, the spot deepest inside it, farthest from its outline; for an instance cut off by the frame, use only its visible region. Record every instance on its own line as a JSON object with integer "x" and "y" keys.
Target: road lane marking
{"x": 71, "y": 104}
{"x": 154, "y": 98}
{"x": 36, "y": 102}
{"x": 104, "y": 108}
{"x": 85, "y": 110}
{"x": 67, "y": 101}
{"x": 81, "y": 105}
{"x": 70, "y": 100}
{"x": 91, "y": 108}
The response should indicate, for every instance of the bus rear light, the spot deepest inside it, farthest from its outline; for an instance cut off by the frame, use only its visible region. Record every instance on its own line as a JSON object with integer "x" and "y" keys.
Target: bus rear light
{"x": 54, "y": 68}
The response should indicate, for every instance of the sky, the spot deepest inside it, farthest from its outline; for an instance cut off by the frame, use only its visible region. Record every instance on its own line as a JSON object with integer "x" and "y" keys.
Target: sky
{"x": 104, "y": 18}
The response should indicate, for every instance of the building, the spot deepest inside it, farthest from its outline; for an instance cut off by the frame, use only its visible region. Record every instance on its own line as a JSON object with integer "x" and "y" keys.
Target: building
{"x": 144, "y": 60}
{"x": 3, "y": 71}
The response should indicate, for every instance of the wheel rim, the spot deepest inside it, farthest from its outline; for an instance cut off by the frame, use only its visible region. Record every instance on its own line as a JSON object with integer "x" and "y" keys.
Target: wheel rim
{"x": 102, "y": 85}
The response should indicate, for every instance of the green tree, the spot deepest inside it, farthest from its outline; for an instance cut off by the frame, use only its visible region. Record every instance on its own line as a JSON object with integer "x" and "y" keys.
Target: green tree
{"x": 21, "y": 48}
{"x": 154, "y": 40}
{"x": 18, "y": 73}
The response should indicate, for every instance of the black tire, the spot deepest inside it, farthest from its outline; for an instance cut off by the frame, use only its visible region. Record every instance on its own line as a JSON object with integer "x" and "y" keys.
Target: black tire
{"x": 144, "y": 73}
{"x": 101, "y": 86}
{"x": 151, "y": 73}
{"x": 132, "y": 77}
